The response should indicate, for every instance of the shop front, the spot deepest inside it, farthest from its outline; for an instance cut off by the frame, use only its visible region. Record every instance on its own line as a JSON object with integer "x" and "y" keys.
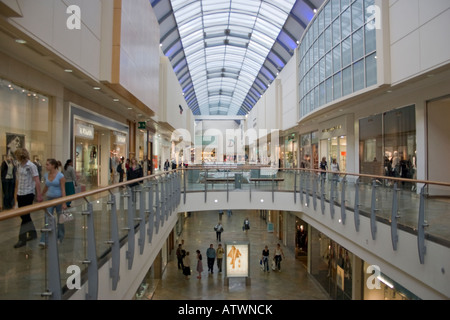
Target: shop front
{"x": 335, "y": 135}
{"x": 387, "y": 144}
{"x": 26, "y": 122}
{"x": 289, "y": 151}
{"x": 98, "y": 143}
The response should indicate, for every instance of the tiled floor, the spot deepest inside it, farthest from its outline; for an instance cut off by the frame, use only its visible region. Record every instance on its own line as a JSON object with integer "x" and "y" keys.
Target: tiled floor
{"x": 292, "y": 283}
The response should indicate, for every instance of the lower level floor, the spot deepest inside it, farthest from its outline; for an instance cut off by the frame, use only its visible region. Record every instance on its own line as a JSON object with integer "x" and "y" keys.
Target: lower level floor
{"x": 314, "y": 267}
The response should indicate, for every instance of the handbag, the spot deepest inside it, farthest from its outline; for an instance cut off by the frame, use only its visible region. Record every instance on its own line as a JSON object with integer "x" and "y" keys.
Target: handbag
{"x": 65, "y": 216}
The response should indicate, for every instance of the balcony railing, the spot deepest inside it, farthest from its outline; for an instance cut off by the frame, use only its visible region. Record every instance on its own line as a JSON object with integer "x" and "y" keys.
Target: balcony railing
{"x": 105, "y": 219}
{"x": 110, "y": 218}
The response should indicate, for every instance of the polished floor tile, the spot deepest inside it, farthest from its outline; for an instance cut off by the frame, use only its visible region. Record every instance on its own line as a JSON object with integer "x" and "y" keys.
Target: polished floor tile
{"x": 292, "y": 283}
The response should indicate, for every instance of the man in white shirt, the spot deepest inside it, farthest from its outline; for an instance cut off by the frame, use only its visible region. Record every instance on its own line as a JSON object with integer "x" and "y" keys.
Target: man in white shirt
{"x": 28, "y": 185}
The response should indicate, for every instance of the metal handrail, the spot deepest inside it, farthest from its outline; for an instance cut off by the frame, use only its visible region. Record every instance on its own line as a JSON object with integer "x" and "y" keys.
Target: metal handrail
{"x": 17, "y": 212}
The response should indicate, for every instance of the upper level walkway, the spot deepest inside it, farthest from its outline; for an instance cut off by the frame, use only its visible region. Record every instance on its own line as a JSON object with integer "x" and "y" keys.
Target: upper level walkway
{"x": 384, "y": 220}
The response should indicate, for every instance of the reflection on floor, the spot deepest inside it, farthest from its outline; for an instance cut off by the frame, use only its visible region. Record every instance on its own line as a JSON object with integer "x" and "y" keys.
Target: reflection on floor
{"x": 292, "y": 283}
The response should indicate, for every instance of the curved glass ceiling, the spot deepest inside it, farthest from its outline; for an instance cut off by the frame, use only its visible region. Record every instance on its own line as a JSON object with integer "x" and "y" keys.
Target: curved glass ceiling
{"x": 227, "y": 52}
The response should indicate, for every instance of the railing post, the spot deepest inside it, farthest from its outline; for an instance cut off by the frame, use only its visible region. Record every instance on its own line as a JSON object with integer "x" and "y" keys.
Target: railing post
{"x": 273, "y": 188}
{"x": 315, "y": 183}
{"x": 322, "y": 191}
{"x": 295, "y": 186}
{"x": 422, "y": 224}
{"x": 356, "y": 209}
{"x": 343, "y": 207}
{"x": 91, "y": 260}
{"x": 394, "y": 217}
{"x": 151, "y": 213}
{"x": 301, "y": 188}
{"x": 53, "y": 271}
{"x": 157, "y": 206}
{"x": 141, "y": 241}
{"x": 206, "y": 186}
{"x": 332, "y": 197}
{"x": 114, "y": 242}
{"x": 162, "y": 201}
{"x": 228, "y": 191}
{"x": 373, "y": 210}
{"x": 308, "y": 178}
{"x": 184, "y": 185}
{"x": 130, "y": 228}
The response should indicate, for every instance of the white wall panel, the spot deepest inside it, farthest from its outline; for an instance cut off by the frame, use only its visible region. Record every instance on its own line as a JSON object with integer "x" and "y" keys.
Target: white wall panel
{"x": 419, "y": 37}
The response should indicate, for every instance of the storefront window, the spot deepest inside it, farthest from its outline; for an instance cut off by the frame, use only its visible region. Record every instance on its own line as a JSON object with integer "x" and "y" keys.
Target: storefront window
{"x": 98, "y": 146}
{"x": 25, "y": 123}
{"x": 290, "y": 153}
{"x": 388, "y": 144}
{"x": 309, "y": 150}
{"x": 331, "y": 265}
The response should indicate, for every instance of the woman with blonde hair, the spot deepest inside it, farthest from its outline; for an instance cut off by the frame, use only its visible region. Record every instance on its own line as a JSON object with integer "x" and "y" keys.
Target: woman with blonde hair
{"x": 55, "y": 187}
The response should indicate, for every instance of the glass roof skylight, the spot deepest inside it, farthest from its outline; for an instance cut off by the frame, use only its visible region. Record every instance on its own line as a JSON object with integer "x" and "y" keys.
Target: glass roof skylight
{"x": 226, "y": 45}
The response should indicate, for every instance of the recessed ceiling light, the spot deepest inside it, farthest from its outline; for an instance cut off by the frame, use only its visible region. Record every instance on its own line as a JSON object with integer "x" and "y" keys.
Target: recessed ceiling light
{"x": 68, "y": 70}
{"x": 21, "y": 41}
{"x": 96, "y": 88}
{"x": 116, "y": 100}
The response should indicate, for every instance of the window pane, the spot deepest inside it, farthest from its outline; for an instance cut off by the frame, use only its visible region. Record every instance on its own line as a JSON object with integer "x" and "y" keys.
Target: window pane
{"x": 337, "y": 59}
{"x": 357, "y": 14}
{"x": 328, "y": 65}
{"x": 328, "y": 40}
{"x": 371, "y": 70}
{"x": 346, "y": 23}
{"x": 358, "y": 76}
{"x": 336, "y": 32}
{"x": 329, "y": 89}
{"x": 347, "y": 52}
{"x": 371, "y": 40}
{"x": 347, "y": 87}
{"x": 358, "y": 45}
{"x": 337, "y": 86}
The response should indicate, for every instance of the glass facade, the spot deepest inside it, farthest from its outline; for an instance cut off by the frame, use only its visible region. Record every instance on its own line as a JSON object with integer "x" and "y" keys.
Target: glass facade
{"x": 388, "y": 144}
{"x": 337, "y": 54}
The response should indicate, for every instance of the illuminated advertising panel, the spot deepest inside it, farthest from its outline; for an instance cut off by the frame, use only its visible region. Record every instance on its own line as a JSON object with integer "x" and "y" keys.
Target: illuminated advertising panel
{"x": 237, "y": 260}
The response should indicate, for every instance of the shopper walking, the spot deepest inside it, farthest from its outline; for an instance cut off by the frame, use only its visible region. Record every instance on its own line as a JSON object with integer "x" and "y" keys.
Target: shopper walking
{"x": 199, "y": 264}
{"x": 246, "y": 225}
{"x": 279, "y": 255}
{"x": 219, "y": 254}
{"x": 28, "y": 187}
{"x": 180, "y": 256}
{"x": 211, "y": 256}
{"x": 219, "y": 229}
{"x": 71, "y": 179}
{"x": 265, "y": 259}
{"x": 55, "y": 187}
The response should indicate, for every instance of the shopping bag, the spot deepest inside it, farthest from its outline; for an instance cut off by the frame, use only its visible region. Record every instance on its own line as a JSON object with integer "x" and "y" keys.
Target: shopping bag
{"x": 65, "y": 217}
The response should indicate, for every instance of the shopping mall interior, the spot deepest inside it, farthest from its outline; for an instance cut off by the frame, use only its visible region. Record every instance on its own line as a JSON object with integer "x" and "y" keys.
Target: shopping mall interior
{"x": 322, "y": 122}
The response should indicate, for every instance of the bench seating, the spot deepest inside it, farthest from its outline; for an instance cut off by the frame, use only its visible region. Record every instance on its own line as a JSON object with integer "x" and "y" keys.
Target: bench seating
{"x": 267, "y": 180}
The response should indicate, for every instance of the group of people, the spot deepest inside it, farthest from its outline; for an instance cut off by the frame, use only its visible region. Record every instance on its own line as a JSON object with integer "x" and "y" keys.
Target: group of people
{"x": 57, "y": 183}
{"x": 131, "y": 168}
{"x": 277, "y": 258}
{"x": 184, "y": 260}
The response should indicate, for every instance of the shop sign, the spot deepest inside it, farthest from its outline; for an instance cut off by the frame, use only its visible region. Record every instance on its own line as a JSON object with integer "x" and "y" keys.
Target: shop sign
{"x": 120, "y": 139}
{"x": 142, "y": 125}
{"x": 84, "y": 131}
